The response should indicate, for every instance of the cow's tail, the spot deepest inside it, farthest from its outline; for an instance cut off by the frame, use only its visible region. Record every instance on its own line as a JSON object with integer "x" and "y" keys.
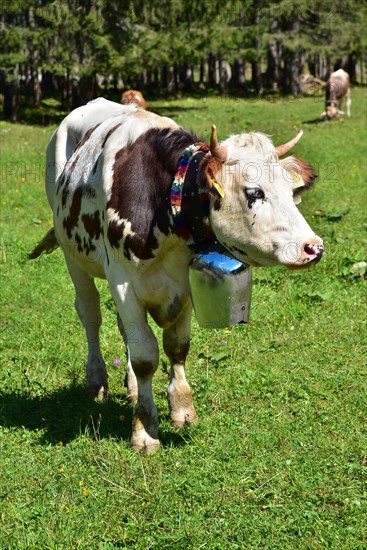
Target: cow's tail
{"x": 46, "y": 246}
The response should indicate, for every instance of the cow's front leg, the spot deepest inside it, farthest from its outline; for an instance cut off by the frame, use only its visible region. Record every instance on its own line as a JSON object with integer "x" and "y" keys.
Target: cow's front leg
{"x": 176, "y": 344}
{"x": 143, "y": 353}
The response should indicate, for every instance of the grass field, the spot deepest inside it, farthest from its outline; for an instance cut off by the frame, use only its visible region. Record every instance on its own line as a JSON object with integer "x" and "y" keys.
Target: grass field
{"x": 279, "y": 457}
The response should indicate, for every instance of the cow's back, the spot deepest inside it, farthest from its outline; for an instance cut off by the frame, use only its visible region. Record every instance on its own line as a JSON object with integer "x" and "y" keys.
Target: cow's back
{"x": 70, "y": 132}
{"x": 337, "y": 85}
{"x": 81, "y": 193}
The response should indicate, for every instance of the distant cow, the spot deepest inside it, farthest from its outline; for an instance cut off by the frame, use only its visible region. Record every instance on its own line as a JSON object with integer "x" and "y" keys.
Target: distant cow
{"x": 128, "y": 203}
{"x": 133, "y": 97}
{"x": 337, "y": 87}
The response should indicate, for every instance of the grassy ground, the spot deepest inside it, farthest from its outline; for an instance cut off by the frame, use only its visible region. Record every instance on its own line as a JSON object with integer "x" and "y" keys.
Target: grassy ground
{"x": 278, "y": 459}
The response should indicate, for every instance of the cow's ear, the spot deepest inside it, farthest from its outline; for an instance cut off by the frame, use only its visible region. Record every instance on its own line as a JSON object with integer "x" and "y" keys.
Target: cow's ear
{"x": 210, "y": 168}
{"x": 300, "y": 174}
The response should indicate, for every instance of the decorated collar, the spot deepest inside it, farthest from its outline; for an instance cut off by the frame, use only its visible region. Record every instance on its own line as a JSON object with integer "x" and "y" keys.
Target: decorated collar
{"x": 189, "y": 201}
{"x": 179, "y": 179}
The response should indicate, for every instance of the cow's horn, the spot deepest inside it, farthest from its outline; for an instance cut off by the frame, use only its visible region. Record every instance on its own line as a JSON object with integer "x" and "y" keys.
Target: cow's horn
{"x": 282, "y": 150}
{"x": 218, "y": 151}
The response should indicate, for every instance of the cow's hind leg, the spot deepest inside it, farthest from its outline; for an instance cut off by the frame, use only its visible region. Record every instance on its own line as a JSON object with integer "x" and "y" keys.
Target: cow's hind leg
{"x": 176, "y": 343}
{"x": 143, "y": 353}
{"x": 88, "y": 308}
{"x": 130, "y": 378}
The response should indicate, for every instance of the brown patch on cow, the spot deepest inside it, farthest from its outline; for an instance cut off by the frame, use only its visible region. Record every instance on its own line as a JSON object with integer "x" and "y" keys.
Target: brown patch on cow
{"x": 165, "y": 317}
{"x": 65, "y": 181}
{"x": 64, "y": 196}
{"x": 109, "y": 133}
{"x": 61, "y": 182}
{"x": 175, "y": 351}
{"x": 78, "y": 241}
{"x": 142, "y": 175}
{"x": 72, "y": 220}
{"x": 92, "y": 224}
{"x": 85, "y": 138}
{"x": 114, "y": 233}
{"x": 174, "y": 308}
{"x": 88, "y": 245}
{"x": 140, "y": 247}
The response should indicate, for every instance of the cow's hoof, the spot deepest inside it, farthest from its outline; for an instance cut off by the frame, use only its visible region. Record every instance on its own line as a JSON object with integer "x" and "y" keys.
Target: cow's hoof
{"x": 144, "y": 444}
{"x": 97, "y": 391}
{"x": 184, "y": 417}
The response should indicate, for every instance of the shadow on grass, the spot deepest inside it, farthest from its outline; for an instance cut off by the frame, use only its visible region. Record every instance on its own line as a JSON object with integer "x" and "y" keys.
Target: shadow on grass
{"x": 317, "y": 120}
{"x": 65, "y": 414}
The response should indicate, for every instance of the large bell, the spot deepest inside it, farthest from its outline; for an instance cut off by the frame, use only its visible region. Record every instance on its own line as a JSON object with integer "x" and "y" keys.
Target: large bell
{"x": 220, "y": 288}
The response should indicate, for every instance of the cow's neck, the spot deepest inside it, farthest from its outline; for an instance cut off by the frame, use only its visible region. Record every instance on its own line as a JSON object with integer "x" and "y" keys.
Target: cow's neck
{"x": 190, "y": 201}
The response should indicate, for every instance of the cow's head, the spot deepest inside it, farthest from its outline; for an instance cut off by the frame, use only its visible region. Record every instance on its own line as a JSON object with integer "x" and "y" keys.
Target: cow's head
{"x": 253, "y": 201}
{"x": 332, "y": 111}
{"x": 133, "y": 97}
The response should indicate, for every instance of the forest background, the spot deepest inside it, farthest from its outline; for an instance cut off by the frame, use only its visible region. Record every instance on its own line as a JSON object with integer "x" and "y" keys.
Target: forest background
{"x": 68, "y": 51}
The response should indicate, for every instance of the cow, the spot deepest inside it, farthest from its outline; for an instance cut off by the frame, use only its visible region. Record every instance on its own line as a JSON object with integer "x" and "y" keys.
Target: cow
{"x": 133, "y": 196}
{"x": 133, "y": 97}
{"x": 337, "y": 87}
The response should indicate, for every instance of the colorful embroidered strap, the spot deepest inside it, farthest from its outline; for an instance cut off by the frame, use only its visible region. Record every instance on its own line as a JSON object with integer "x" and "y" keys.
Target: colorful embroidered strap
{"x": 190, "y": 202}
{"x": 178, "y": 182}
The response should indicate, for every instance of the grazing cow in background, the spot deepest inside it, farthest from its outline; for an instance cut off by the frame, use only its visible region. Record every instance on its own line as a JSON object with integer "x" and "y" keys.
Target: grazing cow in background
{"x": 133, "y": 97}
{"x": 129, "y": 201}
{"x": 337, "y": 87}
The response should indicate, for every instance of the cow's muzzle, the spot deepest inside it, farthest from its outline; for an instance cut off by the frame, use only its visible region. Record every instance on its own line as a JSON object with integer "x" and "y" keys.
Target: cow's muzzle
{"x": 312, "y": 251}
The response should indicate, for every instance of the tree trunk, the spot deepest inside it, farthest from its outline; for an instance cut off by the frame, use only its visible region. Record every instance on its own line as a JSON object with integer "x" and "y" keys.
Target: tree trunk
{"x": 34, "y": 62}
{"x": 187, "y": 77}
{"x": 239, "y": 70}
{"x": 11, "y": 101}
{"x": 212, "y": 61}
{"x": 36, "y": 86}
{"x": 256, "y": 63}
{"x": 312, "y": 67}
{"x": 85, "y": 90}
{"x": 256, "y": 77}
{"x": 293, "y": 63}
{"x": 168, "y": 79}
{"x": 350, "y": 65}
{"x": 273, "y": 73}
{"x": 202, "y": 73}
{"x": 67, "y": 92}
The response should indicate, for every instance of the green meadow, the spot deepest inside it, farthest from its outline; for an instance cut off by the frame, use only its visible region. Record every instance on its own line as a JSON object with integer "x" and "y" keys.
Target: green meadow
{"x": 278, "y": 459}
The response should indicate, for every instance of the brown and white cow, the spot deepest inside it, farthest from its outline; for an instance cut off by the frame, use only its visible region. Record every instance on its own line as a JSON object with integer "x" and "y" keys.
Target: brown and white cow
{"x": 337, "y": 88}
{"x": 133, "y": 97}
{"x": 114, "y": 218}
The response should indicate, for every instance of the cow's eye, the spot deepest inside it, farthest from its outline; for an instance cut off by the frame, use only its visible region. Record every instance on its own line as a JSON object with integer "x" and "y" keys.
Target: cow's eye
{"x": 254, "y": 193}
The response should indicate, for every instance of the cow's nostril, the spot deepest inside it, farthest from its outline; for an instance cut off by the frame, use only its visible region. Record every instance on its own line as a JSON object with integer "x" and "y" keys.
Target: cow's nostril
{"x": 310, "y": 249}
{"x": 314, "y": 249}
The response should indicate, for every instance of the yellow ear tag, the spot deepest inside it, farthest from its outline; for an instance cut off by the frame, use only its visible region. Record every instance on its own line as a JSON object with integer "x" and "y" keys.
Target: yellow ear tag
{"x": 297, "y": 181}
{"x": 218, "y": 187}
